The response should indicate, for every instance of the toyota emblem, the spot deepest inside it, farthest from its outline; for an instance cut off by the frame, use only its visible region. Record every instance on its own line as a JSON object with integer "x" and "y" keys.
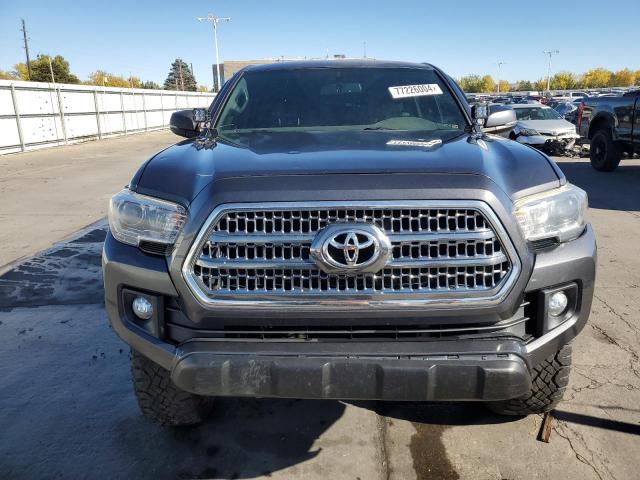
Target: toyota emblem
{"x": 351, "y": 248}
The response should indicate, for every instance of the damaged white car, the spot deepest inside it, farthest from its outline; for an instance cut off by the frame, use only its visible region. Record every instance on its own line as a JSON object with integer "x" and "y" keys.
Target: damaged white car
{"x": 543, "y": 128}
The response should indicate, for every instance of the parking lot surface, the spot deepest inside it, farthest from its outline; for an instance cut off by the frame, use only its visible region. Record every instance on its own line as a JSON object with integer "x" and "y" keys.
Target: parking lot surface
{"x": 52, "y": 193}
{"x": 67, "y": 409}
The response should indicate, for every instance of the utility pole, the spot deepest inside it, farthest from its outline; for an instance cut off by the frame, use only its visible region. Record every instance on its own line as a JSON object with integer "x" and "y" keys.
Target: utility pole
{"x": 500, "y": 63}
{"x": 214, "y": 22}
{"x": 53, "y": 80}
{"x": 364, "y": 45}
{"x": 550, "y": 53}
{"x": 26, "y": 48}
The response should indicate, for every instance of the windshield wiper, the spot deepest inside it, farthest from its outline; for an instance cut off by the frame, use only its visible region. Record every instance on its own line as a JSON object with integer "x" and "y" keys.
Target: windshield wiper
{"x": 380, "y": 128}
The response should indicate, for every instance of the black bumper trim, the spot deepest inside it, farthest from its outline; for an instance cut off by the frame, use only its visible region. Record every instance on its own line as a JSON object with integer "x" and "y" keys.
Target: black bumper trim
{"x": 473, "y": 370}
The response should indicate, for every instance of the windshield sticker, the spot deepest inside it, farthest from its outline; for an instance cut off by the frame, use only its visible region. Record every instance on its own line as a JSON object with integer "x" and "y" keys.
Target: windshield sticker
{"x": 414, "y": 143}
{"x": 406, "y": 91}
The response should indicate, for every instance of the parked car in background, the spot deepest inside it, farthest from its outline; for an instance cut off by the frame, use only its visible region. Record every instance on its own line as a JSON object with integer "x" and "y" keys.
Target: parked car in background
{"x": 544, "y": 128}
{"x": 569, "y": 96}
{"x": 612, "y": 125}
{"x": 567, "y": 110}
{"x": 533, "y": 98}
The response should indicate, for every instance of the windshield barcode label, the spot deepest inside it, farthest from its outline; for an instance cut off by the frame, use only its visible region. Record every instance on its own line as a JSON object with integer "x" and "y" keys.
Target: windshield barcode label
{"x": 405, "y": 91}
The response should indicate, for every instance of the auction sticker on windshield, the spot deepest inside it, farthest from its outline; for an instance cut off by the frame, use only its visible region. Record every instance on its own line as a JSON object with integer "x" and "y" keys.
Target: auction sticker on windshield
{"x": 406, "y": 91}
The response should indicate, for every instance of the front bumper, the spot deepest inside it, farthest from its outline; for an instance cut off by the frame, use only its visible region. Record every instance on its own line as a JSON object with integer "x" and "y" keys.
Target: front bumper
{"x": 488, "y": 368}
{"x": 461, "y": 370}
{"x": 550, "y": 141}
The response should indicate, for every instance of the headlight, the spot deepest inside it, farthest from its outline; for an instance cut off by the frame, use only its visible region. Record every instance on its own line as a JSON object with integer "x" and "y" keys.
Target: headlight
{"x": 528, "y": 132}
{"x": 134, "y": 217}
{"x": 558, "y": 213}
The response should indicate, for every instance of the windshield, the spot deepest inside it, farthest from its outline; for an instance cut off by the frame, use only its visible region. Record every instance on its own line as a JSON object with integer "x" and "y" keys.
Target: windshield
{"x": 338, "y": 99}
{"x": 536, "y": 113}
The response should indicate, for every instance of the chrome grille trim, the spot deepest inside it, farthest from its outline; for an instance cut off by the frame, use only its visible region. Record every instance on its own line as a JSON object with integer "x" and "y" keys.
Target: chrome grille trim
{"x": 308, "y": 264}
{"x": 446, "y": 224}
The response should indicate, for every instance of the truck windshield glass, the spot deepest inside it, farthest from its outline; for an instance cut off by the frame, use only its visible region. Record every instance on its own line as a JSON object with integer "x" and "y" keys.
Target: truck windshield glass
{"x": 537, "y": 113}
{"x": 333, "y": 99}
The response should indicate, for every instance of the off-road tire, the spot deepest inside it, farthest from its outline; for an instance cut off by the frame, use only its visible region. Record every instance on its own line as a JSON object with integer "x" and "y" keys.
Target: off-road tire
{"x": 160, "y": 400}
{"x": 549, "y": 381}
{"x": 604, "y": 153}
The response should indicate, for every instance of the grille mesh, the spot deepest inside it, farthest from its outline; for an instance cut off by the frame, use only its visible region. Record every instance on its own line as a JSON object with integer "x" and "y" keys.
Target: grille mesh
{"x": 390, "y": 220}
{"x": 267, "y": 252}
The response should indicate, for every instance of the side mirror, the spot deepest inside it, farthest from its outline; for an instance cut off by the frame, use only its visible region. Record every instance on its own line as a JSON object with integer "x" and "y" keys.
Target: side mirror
{"x": 500, "y": 116}
{"x": 183, "y": 123}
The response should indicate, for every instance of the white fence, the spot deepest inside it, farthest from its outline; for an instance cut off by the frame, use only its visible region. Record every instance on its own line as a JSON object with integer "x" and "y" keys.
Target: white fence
{"x": 35, "y": 115}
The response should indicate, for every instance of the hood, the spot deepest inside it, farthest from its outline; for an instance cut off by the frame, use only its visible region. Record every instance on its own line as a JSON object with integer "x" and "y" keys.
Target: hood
{"x": 180, "y": 172}
{"x": 555, "y": 127}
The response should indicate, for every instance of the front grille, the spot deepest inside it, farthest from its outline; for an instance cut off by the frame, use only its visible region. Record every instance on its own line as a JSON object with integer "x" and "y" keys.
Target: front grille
{"x": 310, "y": 221}
{"x": 443, "y": 249}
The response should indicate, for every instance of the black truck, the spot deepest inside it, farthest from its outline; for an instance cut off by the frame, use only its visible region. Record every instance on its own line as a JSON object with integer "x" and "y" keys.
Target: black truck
{"x": 612, "y": 126}
{"x": 345, "y": 230}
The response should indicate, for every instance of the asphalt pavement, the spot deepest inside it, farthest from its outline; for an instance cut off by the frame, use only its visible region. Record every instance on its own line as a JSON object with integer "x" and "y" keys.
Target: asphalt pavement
{"x": 67, "y": 409}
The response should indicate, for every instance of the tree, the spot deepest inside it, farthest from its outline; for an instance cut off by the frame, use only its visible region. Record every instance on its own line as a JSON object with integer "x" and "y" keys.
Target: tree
{"x": 202, "y": 88}
{"x": 488, "y": 85}
{"x": 524, "y": 85}
{"x": 8, "y": 75}
{"x": 106, "y": 79}
{"x": 637, "y": 77}
{"x": 134, "y": 82}
{"x": 504, "y": 86}
{"x": 563, "y": 81}
{"x": 540, "y": 85}
{"x": 180, "y": 77}
{"x": 21, "y": 71}
{"x": 471, "y": 83}
{"x": 151, "y": 85}
{"x": 41, "y": 72}
{"x": 596, "y": 78}
{"x": 623, "y": 78}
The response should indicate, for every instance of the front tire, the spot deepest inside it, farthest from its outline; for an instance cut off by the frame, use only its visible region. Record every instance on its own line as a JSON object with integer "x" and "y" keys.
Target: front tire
{"x": 605, "y": 154}
{"x": 549, "y": 382}
{"x": 160, "y": 400}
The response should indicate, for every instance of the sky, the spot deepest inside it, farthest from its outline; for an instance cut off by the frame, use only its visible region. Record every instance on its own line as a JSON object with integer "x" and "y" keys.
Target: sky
{"x": 143, "y": 37}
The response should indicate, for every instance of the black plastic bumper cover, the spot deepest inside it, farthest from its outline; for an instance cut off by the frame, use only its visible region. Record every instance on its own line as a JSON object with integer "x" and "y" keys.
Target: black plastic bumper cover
{"x": 473, "y": 370}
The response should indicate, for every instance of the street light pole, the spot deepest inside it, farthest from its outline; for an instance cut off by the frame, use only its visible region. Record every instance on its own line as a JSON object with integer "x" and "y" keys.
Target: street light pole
{"x": 214, "y": 22}
{"x": 500, "y": 63}
{"x": 550, "y": 53}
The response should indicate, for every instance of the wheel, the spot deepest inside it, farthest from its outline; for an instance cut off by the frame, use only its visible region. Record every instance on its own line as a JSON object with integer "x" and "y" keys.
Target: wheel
{"x": 550, "y": 380}
{"x": 605, "y": 154}
{"x": 160, "y": 400}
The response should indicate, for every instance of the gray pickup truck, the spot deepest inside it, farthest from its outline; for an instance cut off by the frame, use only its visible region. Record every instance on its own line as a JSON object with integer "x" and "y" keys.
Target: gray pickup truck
{"x": 612, "y": 125}
{"x": 345, "y": 230}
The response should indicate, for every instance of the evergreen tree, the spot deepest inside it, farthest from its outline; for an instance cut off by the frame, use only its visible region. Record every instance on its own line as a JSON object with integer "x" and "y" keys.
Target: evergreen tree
{"x": 180, "y": 77}
{"x": 151, "y": 85}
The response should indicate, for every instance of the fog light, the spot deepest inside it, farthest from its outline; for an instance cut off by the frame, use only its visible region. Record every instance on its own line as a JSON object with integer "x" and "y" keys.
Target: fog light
{"x": 557, "y": 304}
{"x": 144, "y": 310}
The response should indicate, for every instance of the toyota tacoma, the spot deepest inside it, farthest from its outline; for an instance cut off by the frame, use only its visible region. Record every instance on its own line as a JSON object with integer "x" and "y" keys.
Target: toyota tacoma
{"x": 345, "y": 230}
